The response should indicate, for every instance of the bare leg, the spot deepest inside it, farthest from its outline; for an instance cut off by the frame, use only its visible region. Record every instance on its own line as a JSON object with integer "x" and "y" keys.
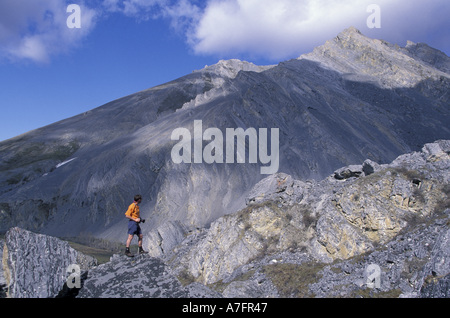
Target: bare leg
{"x": 141, "y": 250}
{"x": 130, "y": 237}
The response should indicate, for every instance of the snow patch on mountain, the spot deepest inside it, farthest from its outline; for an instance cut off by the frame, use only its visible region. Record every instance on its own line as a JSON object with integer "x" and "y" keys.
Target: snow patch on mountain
{"x": 64, "y": 162}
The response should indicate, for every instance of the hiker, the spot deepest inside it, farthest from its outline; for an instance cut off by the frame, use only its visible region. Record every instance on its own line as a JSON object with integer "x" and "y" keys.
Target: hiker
{"x": 133, "y": 215}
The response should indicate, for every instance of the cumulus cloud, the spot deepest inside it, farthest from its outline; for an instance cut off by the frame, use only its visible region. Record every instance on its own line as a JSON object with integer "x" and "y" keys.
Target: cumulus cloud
{"x": 143, "y": 9}
{"x": 283, "y": 28}
{"x": 37, "y": 29}
{"x": 183, "y": 15}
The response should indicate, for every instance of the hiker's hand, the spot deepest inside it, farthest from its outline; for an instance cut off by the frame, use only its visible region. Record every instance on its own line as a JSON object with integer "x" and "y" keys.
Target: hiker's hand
{"x": 138, "y": 220}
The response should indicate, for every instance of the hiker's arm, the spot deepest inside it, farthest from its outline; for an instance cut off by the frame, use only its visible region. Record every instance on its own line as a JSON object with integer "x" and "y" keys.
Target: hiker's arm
{"x": 132, "y": 218}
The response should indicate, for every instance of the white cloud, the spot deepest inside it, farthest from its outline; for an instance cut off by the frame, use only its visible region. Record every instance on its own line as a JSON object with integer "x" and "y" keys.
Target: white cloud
{"x": 273, "y": 29}
{"x": 37, "y": 29}
{"x": 283, "y": 28}
{"x": 182, "y": 14}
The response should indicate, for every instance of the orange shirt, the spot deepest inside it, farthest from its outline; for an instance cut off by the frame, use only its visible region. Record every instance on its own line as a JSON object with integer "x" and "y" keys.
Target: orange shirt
{"x": 133, "y": 211}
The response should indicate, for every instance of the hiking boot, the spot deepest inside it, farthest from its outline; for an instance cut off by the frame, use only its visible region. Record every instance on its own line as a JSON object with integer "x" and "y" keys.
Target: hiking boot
{"x": 128, "y": 253}
{"x": 141, "y": 250}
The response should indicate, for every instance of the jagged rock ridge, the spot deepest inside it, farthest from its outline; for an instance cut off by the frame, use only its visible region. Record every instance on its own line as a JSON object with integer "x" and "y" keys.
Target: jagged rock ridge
{"x": 381, "y": 211}
{"x": 352, "y": 99}
{"x": 35, "y": 265}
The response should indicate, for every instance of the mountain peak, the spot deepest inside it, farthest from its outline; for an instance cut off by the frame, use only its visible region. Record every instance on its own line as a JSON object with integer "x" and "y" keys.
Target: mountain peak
{"x": 371, "y": 60}
{"x": 351, "y": 35}
{"x": 351, "y": 30}
{"x": 230, "y": 68}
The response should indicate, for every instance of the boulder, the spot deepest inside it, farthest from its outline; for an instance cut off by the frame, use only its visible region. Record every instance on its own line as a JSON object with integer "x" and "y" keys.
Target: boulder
{"x": 36, "y": 265}
{"x": 142, "y": 276}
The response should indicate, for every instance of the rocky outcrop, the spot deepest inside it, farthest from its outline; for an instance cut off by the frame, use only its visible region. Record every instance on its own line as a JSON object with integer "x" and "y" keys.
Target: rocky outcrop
{"x": 3, "y": 282}
{"x": 395, "y": 215}
{"x": 36, "y": 265}
{"x": 164, "y": 238}
{"x": 407, "y": 265}
{"x": 139, "y": 277}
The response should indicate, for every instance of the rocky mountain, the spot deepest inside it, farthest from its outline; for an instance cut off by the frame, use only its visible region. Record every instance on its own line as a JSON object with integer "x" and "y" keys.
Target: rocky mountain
{"x": 367, "y": 230}
{"x": 352, "y": 99}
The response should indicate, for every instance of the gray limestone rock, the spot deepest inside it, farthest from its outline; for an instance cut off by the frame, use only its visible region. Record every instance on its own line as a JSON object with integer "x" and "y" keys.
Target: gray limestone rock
{"x": 36, "y": 265}
{"x": 141, "y": 276}
{"x": 436, "y": 288}
{"x": 3, "y": 282}
{"x": 164, "y": 238}
{"x": 137, "y": 277}
{"x": 395, "y": 217}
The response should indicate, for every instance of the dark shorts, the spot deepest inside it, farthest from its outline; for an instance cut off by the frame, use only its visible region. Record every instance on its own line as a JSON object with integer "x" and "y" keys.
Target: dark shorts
{"x": 134, "y": 228}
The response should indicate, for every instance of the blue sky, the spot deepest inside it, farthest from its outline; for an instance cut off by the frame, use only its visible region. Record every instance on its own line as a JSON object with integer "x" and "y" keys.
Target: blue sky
{"x": 49, "y": 72}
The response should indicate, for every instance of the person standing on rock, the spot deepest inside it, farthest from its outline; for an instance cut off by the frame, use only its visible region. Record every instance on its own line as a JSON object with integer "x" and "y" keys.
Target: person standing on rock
{"x": 133, "y": 214}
